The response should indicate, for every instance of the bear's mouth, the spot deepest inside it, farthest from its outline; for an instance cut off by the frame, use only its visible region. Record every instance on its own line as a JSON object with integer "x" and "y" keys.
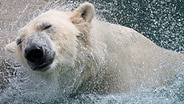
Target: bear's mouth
{"x": 42, "y": 67}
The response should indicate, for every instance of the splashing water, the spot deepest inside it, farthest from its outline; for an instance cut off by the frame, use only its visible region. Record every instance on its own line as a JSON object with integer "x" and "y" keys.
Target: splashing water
{"x": 162, "y": 21}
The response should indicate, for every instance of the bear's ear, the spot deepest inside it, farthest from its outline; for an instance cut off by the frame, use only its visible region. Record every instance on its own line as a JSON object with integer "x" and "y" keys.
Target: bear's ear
{"x": 83, "y": 14}
{"x": 11, "y": 47}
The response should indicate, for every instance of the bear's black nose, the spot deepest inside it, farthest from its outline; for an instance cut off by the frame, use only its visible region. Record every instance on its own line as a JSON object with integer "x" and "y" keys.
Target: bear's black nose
{"x": 34, "y": 53}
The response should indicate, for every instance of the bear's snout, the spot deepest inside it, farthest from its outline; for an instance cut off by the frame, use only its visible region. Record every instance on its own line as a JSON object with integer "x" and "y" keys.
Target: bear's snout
{"x": 38, "y": 53}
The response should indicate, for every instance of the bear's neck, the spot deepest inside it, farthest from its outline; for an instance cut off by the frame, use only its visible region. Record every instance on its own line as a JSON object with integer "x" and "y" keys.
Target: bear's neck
{"x": 87, "y": 66}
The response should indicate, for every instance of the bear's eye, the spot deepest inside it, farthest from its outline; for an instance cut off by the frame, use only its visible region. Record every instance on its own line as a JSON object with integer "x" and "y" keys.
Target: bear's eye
{"x": 45, "y": 26}
{"x": 18, "y": 41}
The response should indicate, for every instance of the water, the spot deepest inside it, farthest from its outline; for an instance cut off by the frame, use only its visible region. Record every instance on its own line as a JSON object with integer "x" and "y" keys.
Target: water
{"x": 162, "y": 21}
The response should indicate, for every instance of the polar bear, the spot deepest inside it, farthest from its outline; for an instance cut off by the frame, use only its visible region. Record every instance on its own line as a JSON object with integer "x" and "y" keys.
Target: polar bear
{"x": 88, "y": 55}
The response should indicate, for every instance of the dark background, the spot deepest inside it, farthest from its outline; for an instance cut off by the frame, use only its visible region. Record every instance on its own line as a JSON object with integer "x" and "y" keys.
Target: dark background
{"x": 162, "y": 21}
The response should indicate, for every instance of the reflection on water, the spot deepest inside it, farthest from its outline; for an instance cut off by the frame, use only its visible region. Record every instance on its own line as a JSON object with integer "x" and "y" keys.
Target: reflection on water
{"x": 160, "y": 20}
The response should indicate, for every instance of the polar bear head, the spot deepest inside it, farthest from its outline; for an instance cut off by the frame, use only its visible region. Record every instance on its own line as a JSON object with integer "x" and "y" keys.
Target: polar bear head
{"x": 51, "y": 39}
